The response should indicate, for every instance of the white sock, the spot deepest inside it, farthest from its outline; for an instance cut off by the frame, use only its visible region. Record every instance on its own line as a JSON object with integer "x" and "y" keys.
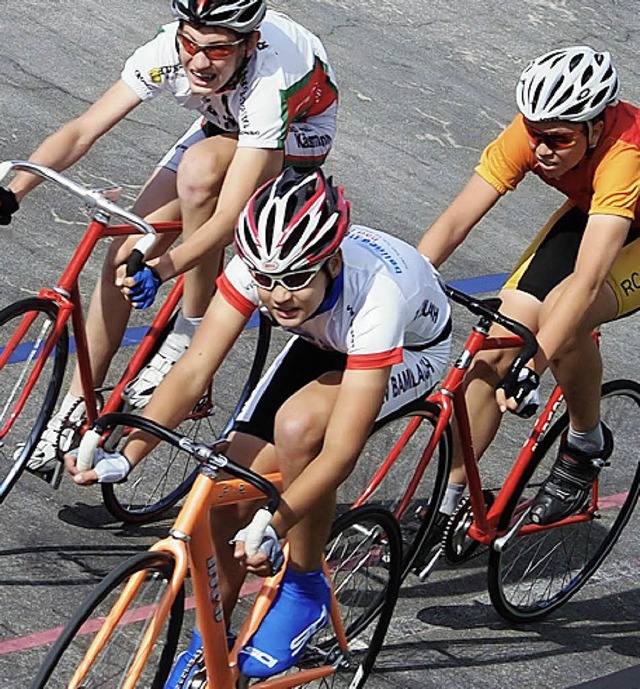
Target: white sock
{"x": 451, "y": 498}
{"x": 589, "y": 442}
{"x": 186, "y": 326}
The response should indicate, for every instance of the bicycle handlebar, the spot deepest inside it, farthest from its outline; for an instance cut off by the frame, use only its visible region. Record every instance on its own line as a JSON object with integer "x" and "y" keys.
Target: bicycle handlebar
{"x": 93, "y": 199}
{"x": 484, "y": 310}
{"x": 203, "y": 453}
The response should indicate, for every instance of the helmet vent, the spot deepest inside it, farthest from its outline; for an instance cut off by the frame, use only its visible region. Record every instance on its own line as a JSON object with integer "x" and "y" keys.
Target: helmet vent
{"x": 248, "y": 238}
{"x": 293, "y": 239}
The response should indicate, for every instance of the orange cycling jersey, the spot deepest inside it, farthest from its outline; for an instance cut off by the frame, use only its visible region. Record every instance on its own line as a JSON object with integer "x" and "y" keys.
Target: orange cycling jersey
{"x": 606, "y": 181}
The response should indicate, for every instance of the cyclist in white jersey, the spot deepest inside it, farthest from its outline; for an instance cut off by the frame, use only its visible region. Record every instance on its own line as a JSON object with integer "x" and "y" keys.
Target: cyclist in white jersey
{"x": 267, "y": 98}
{"x": 372, "y": 335}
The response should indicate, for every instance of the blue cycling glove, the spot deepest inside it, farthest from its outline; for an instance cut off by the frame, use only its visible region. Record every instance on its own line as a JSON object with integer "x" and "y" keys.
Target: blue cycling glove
{"x": 146, "y": 285}
{"x": 8, "y": 205}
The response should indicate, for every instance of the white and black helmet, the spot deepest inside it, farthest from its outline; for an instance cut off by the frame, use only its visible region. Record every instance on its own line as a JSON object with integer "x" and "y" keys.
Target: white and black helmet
{"x": 574, "y": 84}
{"x": 291, "y": 223}
{"x": 241, "y": 16}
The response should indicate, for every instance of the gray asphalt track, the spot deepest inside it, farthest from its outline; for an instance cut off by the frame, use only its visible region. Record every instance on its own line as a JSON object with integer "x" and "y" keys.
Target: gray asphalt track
{"x": 424, "y": 85}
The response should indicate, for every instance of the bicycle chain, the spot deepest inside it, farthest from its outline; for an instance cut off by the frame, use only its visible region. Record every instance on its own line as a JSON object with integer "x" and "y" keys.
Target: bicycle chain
{"x": 67, "y": 424}
{"x": 199, "y": 679}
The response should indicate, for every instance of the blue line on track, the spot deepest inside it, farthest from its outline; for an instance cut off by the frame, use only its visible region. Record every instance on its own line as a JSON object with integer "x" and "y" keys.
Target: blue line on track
{"x": 133, "y": 336}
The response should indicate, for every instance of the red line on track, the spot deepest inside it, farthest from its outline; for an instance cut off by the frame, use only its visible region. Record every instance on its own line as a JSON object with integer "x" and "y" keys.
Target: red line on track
{"x": 48, "y": 636}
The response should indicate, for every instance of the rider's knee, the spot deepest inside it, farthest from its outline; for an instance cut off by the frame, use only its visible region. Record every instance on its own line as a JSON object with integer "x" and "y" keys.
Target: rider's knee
{"x": 298, "y": 436}
{"x": 200, "y": 174}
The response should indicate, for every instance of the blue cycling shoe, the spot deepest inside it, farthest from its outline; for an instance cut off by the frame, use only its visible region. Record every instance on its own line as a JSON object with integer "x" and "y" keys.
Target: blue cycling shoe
{"x": 186, "y": 666}
{"x": 300, "y": 609}
{"x": 190, "y": 663}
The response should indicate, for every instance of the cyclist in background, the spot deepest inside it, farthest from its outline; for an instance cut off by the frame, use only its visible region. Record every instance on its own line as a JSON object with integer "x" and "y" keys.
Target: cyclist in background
{"x": 267, "y": 97}
{"x": 372, "y": 335}
{"x": 574, "y": 134}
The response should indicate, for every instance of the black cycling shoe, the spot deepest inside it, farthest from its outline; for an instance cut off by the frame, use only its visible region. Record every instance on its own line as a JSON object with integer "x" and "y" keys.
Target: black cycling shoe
{"x": 433, "y": 540}
{"x": 566, "y": 490}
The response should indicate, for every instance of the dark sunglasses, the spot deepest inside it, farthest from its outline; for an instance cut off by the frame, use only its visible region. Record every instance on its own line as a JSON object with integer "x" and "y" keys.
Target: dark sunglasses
{"x": 290, "y": 281}
{"x": 553, "y": 141}
{"x": 216, "y": 51}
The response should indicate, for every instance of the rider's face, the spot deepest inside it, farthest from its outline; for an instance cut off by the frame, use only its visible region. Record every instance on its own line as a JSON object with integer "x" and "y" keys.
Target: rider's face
{"x": 558, "y": 145}
{"x": 211, "y": 55}
{"x": 291, "y": 308}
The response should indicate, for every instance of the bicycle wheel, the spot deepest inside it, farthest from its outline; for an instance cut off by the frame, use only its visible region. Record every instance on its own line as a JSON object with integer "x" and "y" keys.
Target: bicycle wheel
{"x": 539, "y": 571}
{"x": 110, "y": 667}
{"x": 29, "y": 383}
{"x": 406, "y": 438}
{"x": 364, "y": 555}
{"x": 166, "y": 475}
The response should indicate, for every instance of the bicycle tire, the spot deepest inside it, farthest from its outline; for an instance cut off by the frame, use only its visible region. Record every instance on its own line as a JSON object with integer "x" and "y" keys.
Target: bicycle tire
{"x": 417, "y": 519}
{"x": 28, "y": 422}
{"x": 114, "y": 659}
{"x": 159, "y": 482}
{"x": 364, "y": 555}
{"x": 539, "y": 572}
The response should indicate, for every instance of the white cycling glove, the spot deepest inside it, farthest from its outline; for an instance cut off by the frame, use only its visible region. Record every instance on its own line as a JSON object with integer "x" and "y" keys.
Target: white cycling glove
{"x": 111, "y": 467}
{"x": 260, "y": 536}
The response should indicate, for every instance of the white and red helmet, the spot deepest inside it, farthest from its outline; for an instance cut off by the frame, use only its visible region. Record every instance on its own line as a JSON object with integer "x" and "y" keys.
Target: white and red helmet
{"x": 241, "y": 16}
{"x": 574, "y": 84}
{"x": 291, "y": 223}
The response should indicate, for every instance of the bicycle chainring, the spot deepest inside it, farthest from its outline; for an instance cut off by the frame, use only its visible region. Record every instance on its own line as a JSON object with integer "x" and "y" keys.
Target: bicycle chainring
{"x": 458, "y": 546}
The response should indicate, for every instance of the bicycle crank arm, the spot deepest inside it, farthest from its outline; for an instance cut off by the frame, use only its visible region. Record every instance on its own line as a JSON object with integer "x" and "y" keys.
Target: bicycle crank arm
{"x": 502, "y": 543}
{"x": 426, "y": 570}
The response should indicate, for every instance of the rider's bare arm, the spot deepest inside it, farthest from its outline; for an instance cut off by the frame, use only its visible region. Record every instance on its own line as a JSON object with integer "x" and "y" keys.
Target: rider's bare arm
{"x": 249, "y": 169}
{"x": 187, "y": 380}
{"x": 72, "y": 141}
{"x": 455, "y": 223}
{"x": 358, "y": 403}
{"x": 603, "y": 238}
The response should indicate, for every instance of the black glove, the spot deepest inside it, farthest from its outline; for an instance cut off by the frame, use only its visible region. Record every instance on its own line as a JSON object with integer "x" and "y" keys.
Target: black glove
{"x": 8, "y": 205}
{"x": 525, "y": 391}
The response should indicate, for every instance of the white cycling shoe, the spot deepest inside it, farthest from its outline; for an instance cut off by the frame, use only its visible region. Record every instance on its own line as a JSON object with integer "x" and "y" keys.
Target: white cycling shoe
{"x": 61, "y": 435}
{"x": 138, "y": 392}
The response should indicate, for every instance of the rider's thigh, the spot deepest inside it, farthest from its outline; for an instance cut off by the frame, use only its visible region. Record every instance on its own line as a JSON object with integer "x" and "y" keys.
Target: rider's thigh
{"x": 251, "y": 451}
{"x": 301, "y": 422}
{"x": 521, "y": 307}
{"x": 158, "y": 200}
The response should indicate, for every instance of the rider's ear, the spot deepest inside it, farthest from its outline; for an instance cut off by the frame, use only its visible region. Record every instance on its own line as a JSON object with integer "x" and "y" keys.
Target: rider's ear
{"x": 334, "y": 264}
{"x": 252, "y": 43}
{"x": 594, "y": 133}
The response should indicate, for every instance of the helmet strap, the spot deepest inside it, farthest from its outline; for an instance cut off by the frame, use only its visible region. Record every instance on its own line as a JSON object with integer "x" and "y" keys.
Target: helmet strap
{"x": 332, "y": 291}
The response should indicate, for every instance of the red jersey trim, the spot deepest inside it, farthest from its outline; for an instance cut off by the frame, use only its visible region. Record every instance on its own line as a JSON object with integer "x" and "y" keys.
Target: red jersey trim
{"x": 377, "y": 360}
{"x": 231, "y": 294}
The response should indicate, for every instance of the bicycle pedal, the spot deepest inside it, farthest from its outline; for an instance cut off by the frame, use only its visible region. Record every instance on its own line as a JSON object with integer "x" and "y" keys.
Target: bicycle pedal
{"x": 56, "y": 476}
{"x": 53, "y": 476}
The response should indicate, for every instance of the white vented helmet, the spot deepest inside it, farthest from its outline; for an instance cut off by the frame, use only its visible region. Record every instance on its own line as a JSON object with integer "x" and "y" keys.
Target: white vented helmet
{"x": 241, "y": 16}
{"x": 291, "y": 223}
{"x": 574, "y": 84}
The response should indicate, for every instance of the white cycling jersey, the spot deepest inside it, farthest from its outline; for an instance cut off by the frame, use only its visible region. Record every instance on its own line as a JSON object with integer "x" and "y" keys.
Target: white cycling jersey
{"x": 287, "y": 80}
{"x": 388, "y": 297}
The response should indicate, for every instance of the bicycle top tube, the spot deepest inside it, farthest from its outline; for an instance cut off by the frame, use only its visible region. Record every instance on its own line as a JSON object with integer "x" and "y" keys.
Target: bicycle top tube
{"x": 91, "y": 198}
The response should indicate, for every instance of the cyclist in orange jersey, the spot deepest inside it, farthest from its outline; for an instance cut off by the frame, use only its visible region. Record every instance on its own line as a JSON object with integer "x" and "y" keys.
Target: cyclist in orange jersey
{"x": 581, "y": 270}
